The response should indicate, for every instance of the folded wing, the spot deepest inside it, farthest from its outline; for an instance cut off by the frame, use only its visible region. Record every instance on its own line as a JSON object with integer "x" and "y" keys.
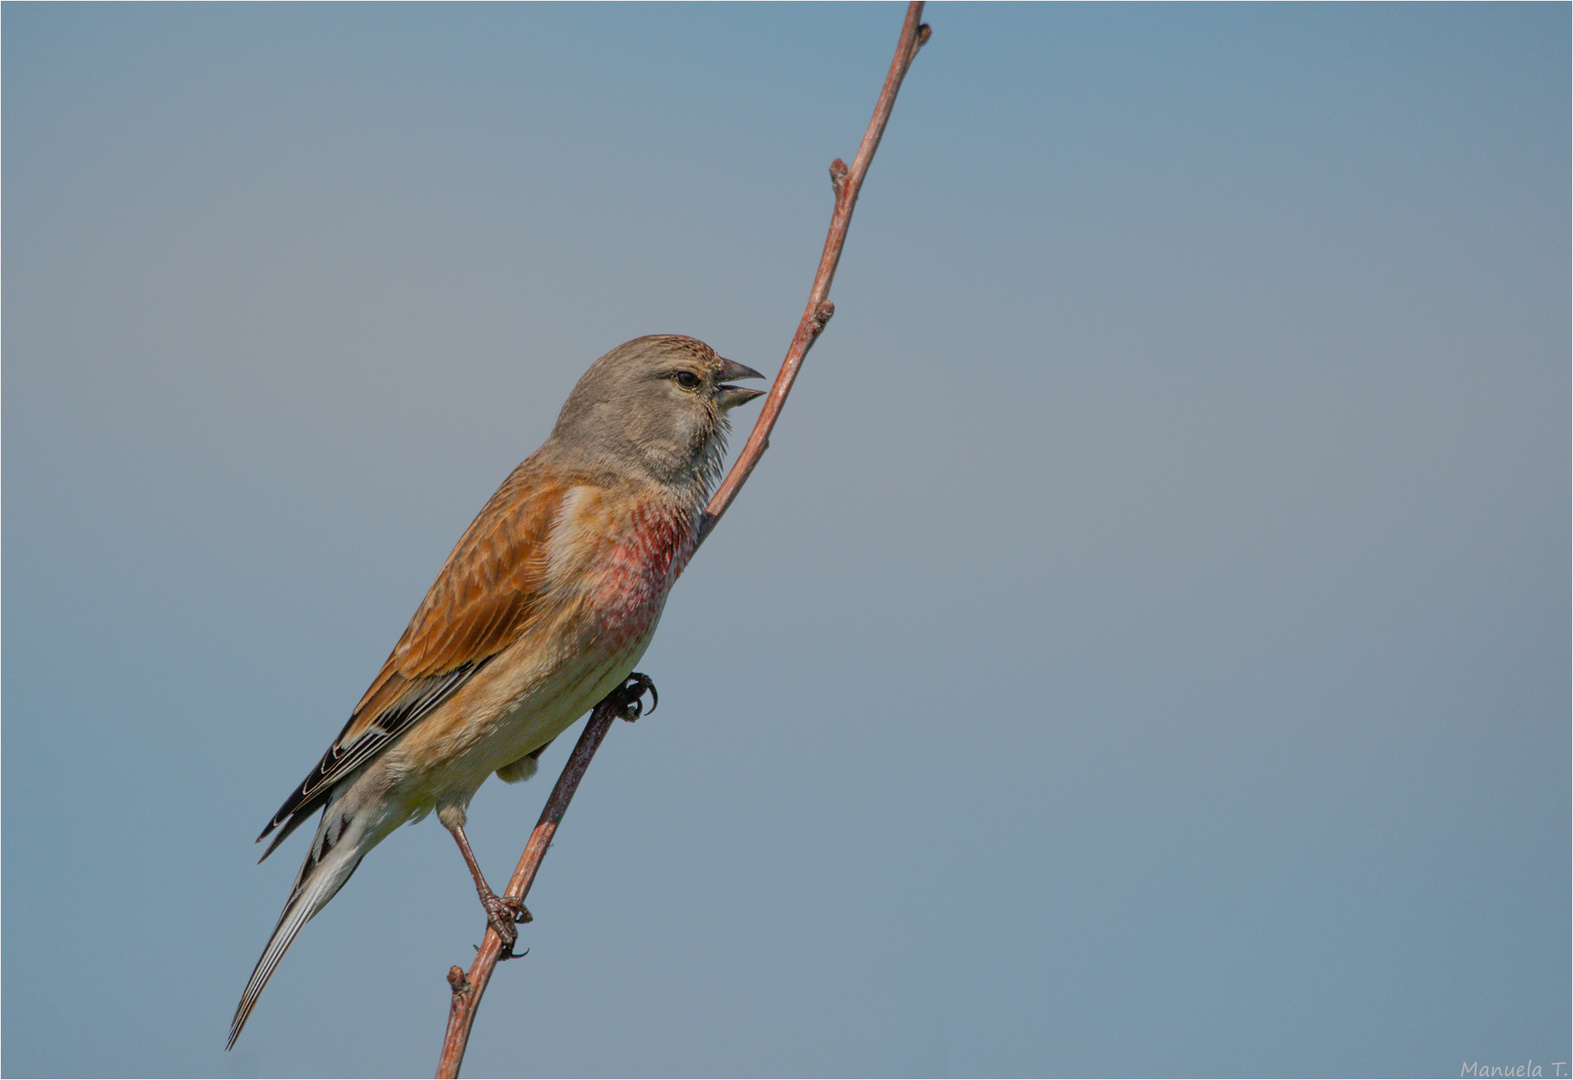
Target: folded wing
{"x": 493, "y": 584}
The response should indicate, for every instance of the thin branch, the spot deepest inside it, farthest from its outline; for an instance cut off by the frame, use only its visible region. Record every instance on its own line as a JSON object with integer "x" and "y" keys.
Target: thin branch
{"x": 468, "y": 987}
{"x": 819, "y": 309}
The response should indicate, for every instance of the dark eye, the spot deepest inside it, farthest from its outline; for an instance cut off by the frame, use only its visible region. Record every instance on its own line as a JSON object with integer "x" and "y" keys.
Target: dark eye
{"x": 686, "y": 379}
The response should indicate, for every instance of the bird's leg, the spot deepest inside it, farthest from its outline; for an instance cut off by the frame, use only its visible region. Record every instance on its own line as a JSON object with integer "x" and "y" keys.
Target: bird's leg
{"x": 501, "y": 911}
{"x": 629, "y": 696}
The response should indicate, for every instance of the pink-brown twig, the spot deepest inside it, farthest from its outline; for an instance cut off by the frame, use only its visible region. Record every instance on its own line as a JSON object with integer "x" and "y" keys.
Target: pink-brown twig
{"x": 846, "y": 181}
{"x": 468, "y": 988}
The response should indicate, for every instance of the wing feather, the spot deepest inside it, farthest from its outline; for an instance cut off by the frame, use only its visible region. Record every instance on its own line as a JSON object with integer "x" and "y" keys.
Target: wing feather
{"x": 486, "y": 595}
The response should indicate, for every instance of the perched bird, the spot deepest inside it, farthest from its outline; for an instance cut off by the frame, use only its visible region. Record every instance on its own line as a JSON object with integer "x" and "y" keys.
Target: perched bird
{"x": 544, "y": 606}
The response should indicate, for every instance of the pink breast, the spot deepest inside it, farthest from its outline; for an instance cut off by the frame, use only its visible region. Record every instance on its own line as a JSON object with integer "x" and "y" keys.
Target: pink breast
{"x": 640, "y": 565}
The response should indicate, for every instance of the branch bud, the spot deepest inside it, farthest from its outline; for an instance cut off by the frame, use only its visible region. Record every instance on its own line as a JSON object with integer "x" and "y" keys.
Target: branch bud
{"x": 838, "y": 174}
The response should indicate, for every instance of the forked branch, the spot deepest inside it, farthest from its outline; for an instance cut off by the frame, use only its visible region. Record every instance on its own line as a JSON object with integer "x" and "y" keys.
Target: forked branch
{"x": 846, "y": 180}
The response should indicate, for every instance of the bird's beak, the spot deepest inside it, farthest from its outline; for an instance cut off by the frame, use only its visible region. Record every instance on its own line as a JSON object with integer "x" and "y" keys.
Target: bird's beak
{"x": 729, "y": 396}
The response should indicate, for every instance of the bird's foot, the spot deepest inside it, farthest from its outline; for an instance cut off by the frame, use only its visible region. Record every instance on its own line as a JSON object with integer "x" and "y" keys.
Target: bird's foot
{"x": 629, "y": 697}
{"x": 501, "y": 914}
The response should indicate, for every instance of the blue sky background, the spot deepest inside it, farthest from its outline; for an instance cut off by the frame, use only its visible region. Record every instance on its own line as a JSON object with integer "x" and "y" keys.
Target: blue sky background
{"x": 1144, "y": 648}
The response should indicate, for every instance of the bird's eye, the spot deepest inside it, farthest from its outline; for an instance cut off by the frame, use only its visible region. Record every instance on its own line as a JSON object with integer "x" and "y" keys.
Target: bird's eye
{"x": 686, "y": 379}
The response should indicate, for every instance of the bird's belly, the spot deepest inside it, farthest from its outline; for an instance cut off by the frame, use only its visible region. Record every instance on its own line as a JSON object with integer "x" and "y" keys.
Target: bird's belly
{"x": 542, "y": 712}
{"x": 509, "y": 709}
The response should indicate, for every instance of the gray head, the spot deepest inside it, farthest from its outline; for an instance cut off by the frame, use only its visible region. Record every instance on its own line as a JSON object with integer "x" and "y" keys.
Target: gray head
{"x": 654, "y": 407}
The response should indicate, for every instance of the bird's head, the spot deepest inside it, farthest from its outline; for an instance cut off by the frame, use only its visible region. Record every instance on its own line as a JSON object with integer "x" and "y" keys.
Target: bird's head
{"x": 655, "y": 407}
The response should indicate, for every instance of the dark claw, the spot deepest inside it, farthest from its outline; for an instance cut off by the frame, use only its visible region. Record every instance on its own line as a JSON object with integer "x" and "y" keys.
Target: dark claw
{"x": 630, "y": 703}
{"x": 504, "y": 953}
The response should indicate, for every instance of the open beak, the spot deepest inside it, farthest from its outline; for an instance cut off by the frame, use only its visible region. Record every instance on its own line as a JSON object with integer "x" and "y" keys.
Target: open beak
{"x": 729, "y": 396}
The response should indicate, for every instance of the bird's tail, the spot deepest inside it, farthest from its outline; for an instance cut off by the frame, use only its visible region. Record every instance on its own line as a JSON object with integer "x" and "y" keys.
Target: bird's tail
{"x": 342, "y": 840}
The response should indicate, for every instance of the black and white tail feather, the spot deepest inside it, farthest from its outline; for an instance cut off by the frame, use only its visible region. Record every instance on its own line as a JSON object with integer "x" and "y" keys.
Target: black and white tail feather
{"x": 352, "y": 823}
{"x": 343, "y": 838}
